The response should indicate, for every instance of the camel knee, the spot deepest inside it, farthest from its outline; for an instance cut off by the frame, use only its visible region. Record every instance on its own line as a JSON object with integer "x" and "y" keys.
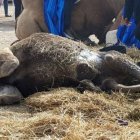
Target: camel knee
{"x": 109, "y": 84}
{"x": 8, "y": 62}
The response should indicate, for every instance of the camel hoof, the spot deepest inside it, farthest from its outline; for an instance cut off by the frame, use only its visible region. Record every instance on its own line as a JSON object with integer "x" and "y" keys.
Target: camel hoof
{"x": 87, "y": 85}
{"x": 9, "y": 95}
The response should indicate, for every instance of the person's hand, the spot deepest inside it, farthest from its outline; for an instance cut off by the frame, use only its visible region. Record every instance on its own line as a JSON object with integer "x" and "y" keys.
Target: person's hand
{"x": 125, "y": 21}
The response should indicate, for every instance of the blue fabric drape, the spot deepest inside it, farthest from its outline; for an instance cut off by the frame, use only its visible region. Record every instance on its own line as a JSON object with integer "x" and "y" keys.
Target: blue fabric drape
{"x": 125, "y": 34}
{"x": 54, "y": 16}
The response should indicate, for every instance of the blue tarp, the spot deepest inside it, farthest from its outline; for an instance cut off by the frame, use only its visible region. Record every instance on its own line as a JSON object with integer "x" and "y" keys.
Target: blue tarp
{"x": 125, "y": 34}
{"x": 54, "y": 16}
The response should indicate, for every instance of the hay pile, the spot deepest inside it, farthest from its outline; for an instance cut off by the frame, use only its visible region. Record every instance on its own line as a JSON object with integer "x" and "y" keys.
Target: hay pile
{"x": 65, "y": 114}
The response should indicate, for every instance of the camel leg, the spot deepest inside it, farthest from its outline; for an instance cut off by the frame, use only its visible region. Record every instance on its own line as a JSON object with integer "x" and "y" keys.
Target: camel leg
{"x": 87, "y": 85}
{"x": 8, "y": 62}
{"x": 111, "y": 84}
{"x": 9, "y": 95}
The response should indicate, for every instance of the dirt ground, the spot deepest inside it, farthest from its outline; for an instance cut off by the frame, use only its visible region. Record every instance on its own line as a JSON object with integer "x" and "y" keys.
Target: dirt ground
{"x": 7, "y": 36}
{"x": 7, "y": 27}
{"x": 66, "y": 114}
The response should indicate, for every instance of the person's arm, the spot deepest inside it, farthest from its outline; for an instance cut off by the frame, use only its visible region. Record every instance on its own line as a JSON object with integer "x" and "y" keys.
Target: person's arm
{"x": 137, "y": 11}
{"x": 128, "y": 9}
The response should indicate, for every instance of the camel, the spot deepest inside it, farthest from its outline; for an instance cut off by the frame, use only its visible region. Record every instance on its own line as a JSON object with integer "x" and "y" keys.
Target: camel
{"x": 44, "y": 61}
{"x": 88, "y": 17}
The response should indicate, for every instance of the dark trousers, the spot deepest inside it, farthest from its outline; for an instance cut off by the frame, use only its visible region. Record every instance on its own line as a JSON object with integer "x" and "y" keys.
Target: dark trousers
{"x": 68, "y": 7}
{"x": 137, "y": 18}
{"x": 132, "y": 7}
{"x": 18, "y": 7}
{"x": 5, "y": 3}
{"x": 137, "y": 31}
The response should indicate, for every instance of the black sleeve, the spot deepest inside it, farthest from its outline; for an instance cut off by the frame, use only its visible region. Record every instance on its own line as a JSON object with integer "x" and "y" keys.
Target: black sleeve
{"x": 137, "y": 11}
{"x": 68, "y": 7}
{"x": 128, "y": 8}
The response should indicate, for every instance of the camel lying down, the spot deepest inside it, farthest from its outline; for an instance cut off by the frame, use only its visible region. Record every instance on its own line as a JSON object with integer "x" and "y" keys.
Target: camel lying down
{"x": 43, "y": 61}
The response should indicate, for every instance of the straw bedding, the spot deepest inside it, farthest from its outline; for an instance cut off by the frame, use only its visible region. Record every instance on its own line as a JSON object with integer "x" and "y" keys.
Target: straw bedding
{"x": 64, "y": 113}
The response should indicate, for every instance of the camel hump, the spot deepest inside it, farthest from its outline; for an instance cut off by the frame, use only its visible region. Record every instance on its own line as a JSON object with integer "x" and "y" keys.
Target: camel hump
{"x": 48, "y": 46}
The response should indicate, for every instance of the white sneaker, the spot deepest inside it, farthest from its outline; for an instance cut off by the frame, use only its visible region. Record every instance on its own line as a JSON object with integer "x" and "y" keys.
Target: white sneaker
{"x": 67, "y": 34}
{"x": 77, "y": 1}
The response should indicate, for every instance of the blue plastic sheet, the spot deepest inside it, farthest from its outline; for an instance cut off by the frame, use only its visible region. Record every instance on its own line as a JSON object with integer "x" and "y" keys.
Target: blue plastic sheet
{"x": 54, "y": 16}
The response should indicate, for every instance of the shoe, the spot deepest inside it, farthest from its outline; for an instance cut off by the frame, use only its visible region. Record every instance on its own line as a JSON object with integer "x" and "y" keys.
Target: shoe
{"x": 88, "y": 42}
{"x": 67, "y": 34}
{"x": 8, "y": 16}
{"x": 77, "y": 1}
{"x": 118, "y": 48}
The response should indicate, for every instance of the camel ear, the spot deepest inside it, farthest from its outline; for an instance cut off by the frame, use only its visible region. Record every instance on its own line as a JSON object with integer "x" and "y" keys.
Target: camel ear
{"x": 84, "y": 71}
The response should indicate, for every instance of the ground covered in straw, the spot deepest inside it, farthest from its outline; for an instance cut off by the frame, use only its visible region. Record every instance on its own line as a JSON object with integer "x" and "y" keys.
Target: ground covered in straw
{"x": 66, "y": 114}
